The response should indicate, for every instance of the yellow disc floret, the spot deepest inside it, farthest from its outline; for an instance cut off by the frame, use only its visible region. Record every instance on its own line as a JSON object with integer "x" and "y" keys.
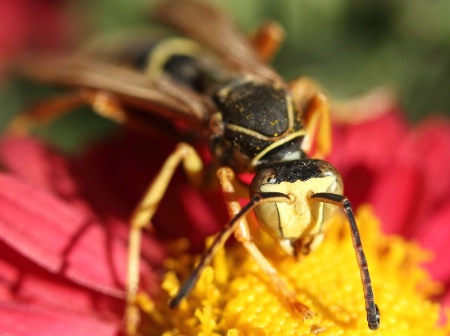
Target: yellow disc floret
{"x": 240, "y": 300}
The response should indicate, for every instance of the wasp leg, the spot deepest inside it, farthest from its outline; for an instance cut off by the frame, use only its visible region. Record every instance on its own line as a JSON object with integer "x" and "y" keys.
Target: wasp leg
{"x": 106, "y": 105}
{"x": 102, "y": 102}
{"x": 373, "y": 314}
{"x": 141, "y": 218}
{"x": 44, "y": 112}
{"x": 312, "y": 103}
{"x": 242, "y": 234}
{"x": 369, "y": 106}
{"x": 267, "y": 40}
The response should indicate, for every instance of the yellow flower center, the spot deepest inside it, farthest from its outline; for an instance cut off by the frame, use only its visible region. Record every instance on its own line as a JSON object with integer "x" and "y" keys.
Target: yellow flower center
{"x": 234, "y": 297}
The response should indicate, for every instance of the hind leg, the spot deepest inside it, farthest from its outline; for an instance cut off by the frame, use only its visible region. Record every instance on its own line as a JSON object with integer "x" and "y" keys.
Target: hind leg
{"x": 102, "y": 102}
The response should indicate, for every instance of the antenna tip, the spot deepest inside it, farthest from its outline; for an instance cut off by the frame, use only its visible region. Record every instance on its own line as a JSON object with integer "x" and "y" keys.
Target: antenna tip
{"x": 373, "y": 319}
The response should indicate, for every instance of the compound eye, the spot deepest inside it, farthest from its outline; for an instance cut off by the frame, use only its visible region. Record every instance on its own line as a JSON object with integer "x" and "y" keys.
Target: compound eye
{"x": 267, "y": 213}
{"x": 265, "y": 176}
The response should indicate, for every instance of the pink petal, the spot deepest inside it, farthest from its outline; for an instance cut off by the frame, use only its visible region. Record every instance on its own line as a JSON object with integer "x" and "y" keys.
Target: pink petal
{"x": 432, "y": 142}
{"x": 9, "y": 275}
{"x": 34, "y": 162}
{"x": 362, "y": 151}
{"x": 47, "y": 24}
{"x": 435, "y": 236}
{"x": 369, "y": 143}
{"x": 24, "y": 320}
{"x": 36, "y": 223}
{"x": 21, "y": 281}
{"x": 445, "y": 301}
{"x": 28, "y": 24}
{"x": 12, "y": 30}
{"x": 110, "y": 256}
{"x": 397, "y": 191}
{"x": 48, "y": 231}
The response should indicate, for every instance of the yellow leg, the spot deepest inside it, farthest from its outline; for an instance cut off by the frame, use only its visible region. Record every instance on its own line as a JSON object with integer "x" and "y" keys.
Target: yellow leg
{"x": 313, "y": 104}
{"x": 141, "y": 218}
{"x": 242, "y": 234}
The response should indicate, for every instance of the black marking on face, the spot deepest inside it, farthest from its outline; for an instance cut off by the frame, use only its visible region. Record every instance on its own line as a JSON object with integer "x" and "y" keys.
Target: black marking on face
{"x": 292, "y": 171}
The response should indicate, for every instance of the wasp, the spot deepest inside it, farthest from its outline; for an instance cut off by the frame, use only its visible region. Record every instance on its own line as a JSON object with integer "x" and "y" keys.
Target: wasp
{"x": 218, "y": 83}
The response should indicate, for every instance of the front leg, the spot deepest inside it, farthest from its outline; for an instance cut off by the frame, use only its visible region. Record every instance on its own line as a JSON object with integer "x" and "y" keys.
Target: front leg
{"x": 142, "y": 216}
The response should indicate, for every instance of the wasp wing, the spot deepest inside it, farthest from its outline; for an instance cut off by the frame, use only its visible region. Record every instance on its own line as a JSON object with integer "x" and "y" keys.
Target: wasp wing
{"x": 163, "y": 96}
{"x": 217, "y": 32}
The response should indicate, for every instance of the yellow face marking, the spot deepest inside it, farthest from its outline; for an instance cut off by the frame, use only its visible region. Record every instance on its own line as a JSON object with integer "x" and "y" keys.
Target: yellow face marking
{"x": 300, "y": 218}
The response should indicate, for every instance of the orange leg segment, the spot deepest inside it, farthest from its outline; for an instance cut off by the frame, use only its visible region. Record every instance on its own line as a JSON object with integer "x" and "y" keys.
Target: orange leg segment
{"x": 313, "y": 103}
{"x": 267, "y": 40}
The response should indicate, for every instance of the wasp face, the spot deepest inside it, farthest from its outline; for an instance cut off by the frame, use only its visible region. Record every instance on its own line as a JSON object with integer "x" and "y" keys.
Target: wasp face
{"x": 297, "y": 225}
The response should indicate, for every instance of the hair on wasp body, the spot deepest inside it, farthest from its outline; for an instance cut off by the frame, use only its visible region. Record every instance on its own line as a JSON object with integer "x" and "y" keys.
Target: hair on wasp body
{"x": 217, "y": 82}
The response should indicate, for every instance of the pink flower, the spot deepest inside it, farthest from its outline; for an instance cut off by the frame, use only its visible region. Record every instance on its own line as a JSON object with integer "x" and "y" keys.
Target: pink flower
{"x": 402, "y": 171}
{"x": 26, "y": 24}
{"x": 63, "y": 232}
{"x": 63, "y": 223}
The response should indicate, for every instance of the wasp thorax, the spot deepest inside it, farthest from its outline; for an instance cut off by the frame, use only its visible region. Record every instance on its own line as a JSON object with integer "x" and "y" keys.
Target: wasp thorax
{"x": 297, "y": 225}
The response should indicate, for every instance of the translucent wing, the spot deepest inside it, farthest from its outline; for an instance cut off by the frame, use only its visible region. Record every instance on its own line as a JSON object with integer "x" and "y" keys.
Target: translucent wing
{"x": 216, "y": 31}
{"x": 163, "y": 96}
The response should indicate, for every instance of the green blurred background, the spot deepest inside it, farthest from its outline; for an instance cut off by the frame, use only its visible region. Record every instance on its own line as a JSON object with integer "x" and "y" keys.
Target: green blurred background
{"x": 349, "y": 46}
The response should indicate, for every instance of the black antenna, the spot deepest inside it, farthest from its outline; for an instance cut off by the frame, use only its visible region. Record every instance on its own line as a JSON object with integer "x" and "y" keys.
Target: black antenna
{"x": 220, "y": 239}
{"x": 373, "y": 314}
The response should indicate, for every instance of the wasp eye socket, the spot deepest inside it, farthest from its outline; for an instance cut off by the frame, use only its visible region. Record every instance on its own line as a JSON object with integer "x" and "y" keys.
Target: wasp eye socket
{"x": 265, "y": 176}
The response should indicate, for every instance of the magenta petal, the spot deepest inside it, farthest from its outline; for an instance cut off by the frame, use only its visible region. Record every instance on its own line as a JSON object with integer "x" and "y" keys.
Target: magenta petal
{"x": 50, "y": 233}
{"x": 391, "y": 198}
{"x": 363, "y": 151}
{"x": 435, "y": 236}
{"x": 30, "y": 23}
{"x": 432, "y": 142}
{"x": 9, "y": 275}
{"x": 369, "y": 143}
{"x": 29, "y": 320}
{"x": 445, "y": 300}
{"x": 34, "y": 162}
{"x": 109, "y": 264}
{"x": 21, "y": 281}
{"x": 36, "y": 223}
{"x": 395, "y": 195}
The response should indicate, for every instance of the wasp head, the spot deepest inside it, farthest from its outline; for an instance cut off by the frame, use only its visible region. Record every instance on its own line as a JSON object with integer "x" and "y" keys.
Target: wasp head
{"x": 297, "y": 225}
